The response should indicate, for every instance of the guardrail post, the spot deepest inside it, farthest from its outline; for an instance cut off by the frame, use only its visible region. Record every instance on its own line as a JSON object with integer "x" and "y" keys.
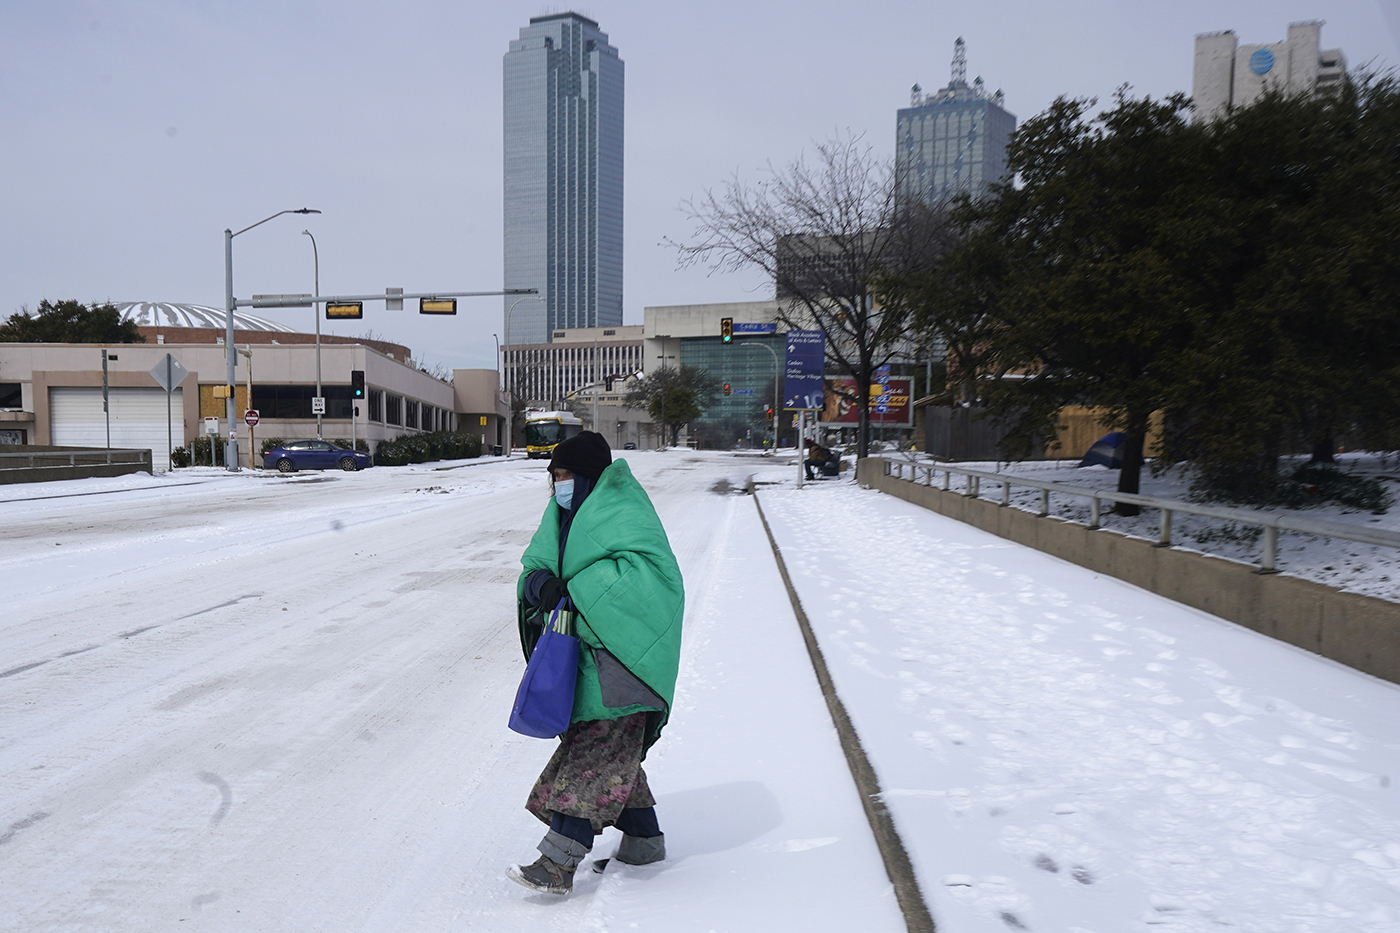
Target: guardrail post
{"x": 1044, "y": 502}
{"x": 1005, "y": 492}
{"x": 1269, "y": 559}
{"x": 928, "y": 476}
{"x": 1164, "y": 539}
{"x": 1095, "y": 512}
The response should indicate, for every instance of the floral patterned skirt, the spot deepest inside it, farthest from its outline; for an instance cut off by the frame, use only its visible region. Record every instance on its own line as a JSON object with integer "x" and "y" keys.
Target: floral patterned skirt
{"x": 595, "y": 772}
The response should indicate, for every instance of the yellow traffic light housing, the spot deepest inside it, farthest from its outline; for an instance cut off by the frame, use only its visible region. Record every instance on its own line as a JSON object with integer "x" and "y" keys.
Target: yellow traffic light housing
{"x": 726, "y": 330}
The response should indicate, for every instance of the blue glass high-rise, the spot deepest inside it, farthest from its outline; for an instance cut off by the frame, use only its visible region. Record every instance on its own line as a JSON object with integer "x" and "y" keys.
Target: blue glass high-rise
{"x": 563, "y": 177}
{"x": 952, "y": 141}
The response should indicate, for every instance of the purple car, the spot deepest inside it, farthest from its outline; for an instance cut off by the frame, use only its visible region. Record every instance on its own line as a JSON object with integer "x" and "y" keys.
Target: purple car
{"x": 314, "y": 455}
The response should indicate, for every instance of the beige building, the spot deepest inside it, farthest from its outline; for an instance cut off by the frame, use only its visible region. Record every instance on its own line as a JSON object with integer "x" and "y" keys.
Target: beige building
{"x": 545, "y": 374}
{"x": 1227, "y": 74}
{"x": 51, "y": 394}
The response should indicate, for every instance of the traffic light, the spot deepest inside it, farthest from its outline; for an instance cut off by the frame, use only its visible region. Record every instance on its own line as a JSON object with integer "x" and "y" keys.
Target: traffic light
{"x": 357, "y": 383}
{"x": 344, "y": 309}
{"x": 770, "y": 414}
{"x": 726, "y": 329}
{"x": 726, "y": 388}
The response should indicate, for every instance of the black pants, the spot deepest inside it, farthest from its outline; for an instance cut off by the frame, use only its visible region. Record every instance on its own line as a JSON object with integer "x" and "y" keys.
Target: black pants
{"x": 634, "y": 821}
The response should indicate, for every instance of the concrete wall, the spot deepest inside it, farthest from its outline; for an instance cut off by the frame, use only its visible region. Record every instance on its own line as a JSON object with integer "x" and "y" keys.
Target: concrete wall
{"x": 1360, "y": 631}
{"x": 41, "y": 464}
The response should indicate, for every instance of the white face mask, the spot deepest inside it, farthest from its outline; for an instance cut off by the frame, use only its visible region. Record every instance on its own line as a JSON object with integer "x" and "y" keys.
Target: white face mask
{"x": 564, "y": 493}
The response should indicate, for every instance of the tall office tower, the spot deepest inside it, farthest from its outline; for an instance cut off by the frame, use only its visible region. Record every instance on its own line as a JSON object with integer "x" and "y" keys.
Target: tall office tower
{"x": 953, "y": 140}
{"x": 563, "y": 178}
{"x": 1226, "y": 73}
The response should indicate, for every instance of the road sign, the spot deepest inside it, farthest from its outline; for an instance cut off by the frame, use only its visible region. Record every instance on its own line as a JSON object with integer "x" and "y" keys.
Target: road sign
{"x": 297, "y": 300}
{"x": 318, "y": 404}
{"x": 749, "y": 327}
{"x": 168, "y": 373}
{"x": 802, "y": 374}
{"x": 250, "y": 417}
{"x": 211, "y": 426}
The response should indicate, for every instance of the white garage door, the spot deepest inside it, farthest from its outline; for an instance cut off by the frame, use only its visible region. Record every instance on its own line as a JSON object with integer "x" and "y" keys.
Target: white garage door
{"x": 138, "y": 419}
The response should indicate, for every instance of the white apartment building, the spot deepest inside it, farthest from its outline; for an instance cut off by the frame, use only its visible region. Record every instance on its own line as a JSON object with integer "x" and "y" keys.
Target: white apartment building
{"x": 1227, "y": 73}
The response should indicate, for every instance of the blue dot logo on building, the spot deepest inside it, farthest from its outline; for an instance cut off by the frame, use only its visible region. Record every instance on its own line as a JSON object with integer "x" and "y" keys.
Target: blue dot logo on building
{"x": 1261, "y": 62}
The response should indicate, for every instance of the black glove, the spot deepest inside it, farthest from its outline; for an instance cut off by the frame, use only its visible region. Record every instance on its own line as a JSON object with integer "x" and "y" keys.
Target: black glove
{"x": 552, "y": 592}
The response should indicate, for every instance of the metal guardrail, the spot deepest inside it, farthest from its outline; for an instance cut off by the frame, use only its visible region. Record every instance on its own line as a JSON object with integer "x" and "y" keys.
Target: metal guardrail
{"x": 70, "y": 457}
{"x": 1271, "y": 522}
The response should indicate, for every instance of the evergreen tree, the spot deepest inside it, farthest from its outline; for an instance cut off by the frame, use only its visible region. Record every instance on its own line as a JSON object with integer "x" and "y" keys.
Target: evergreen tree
{"x": 70, "y": 322}
{"x": 1102, "y": 241}
{"x": 673, "y": 397}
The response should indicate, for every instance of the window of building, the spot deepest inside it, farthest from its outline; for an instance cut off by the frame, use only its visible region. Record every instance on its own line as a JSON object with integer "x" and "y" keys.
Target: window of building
{"x": 294, "y": 401}
{"x": 393, "y": 409}
{"x": 376, "y": 405}
{"x": 11, "y": 395}
{"x": 410, "y": 414}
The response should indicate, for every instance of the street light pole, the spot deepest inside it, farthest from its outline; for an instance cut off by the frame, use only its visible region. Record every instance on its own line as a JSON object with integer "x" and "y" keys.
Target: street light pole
{"x": 247, "y": 354}
{"x": 230, "y": 352}
{"x": 663, "y": 357}
{"x": 316, "y": 310}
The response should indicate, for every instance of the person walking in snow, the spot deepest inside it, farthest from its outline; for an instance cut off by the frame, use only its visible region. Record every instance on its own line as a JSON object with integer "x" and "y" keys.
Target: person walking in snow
{"x": 601, "y": 550}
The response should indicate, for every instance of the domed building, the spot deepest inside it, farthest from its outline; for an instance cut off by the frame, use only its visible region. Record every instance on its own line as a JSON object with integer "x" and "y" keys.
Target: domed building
{"x": 52, "y": 394}
{"x": 166, "y": 322}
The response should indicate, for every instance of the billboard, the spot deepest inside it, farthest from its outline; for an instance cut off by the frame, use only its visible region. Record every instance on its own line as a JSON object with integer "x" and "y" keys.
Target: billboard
{"x": 889, "y": 402}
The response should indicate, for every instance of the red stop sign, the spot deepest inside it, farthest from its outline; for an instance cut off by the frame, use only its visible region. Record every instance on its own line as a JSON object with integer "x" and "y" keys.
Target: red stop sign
{"x": 250, "y": 417}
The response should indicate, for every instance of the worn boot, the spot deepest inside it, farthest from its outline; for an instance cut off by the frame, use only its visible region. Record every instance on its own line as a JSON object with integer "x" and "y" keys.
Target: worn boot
{"x": 553, "y": 871}
{"x": 642, "y": 850}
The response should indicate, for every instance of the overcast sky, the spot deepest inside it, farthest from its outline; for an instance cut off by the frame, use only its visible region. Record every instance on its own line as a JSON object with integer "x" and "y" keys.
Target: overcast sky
{"x": 135, "y": 132}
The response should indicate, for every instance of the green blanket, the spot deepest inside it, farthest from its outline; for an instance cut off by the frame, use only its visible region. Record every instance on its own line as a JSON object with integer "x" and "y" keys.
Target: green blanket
{"x": 626, "y": 586}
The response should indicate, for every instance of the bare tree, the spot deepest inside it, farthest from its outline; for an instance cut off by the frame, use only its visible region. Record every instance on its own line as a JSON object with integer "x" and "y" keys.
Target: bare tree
{"x": 824, "y": 231}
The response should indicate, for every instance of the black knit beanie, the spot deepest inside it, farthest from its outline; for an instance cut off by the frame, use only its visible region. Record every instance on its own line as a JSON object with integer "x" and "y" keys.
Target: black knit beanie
{"x": 586, "y": 454}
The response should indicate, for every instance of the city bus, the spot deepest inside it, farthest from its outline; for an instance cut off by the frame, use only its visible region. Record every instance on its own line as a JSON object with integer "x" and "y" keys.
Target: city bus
{"x": 545, "y": 429}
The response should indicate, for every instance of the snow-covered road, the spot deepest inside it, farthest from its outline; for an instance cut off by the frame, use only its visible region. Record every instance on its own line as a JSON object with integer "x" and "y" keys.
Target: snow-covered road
{"x": 258, "y": 702}
{"x": 278, "y": 703}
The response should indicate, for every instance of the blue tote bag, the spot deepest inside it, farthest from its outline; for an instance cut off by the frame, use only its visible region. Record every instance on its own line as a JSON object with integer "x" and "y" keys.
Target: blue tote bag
{"x": 545, "y": 701}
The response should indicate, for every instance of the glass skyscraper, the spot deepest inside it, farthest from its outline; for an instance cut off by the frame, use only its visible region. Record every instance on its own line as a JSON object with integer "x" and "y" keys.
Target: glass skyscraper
{"x": 952, "y": 141}
{"x": 563, "y": 177}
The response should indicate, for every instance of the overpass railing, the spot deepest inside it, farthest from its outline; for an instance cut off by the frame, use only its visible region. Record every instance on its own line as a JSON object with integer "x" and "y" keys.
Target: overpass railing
{"x": 1271, "y": 522}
